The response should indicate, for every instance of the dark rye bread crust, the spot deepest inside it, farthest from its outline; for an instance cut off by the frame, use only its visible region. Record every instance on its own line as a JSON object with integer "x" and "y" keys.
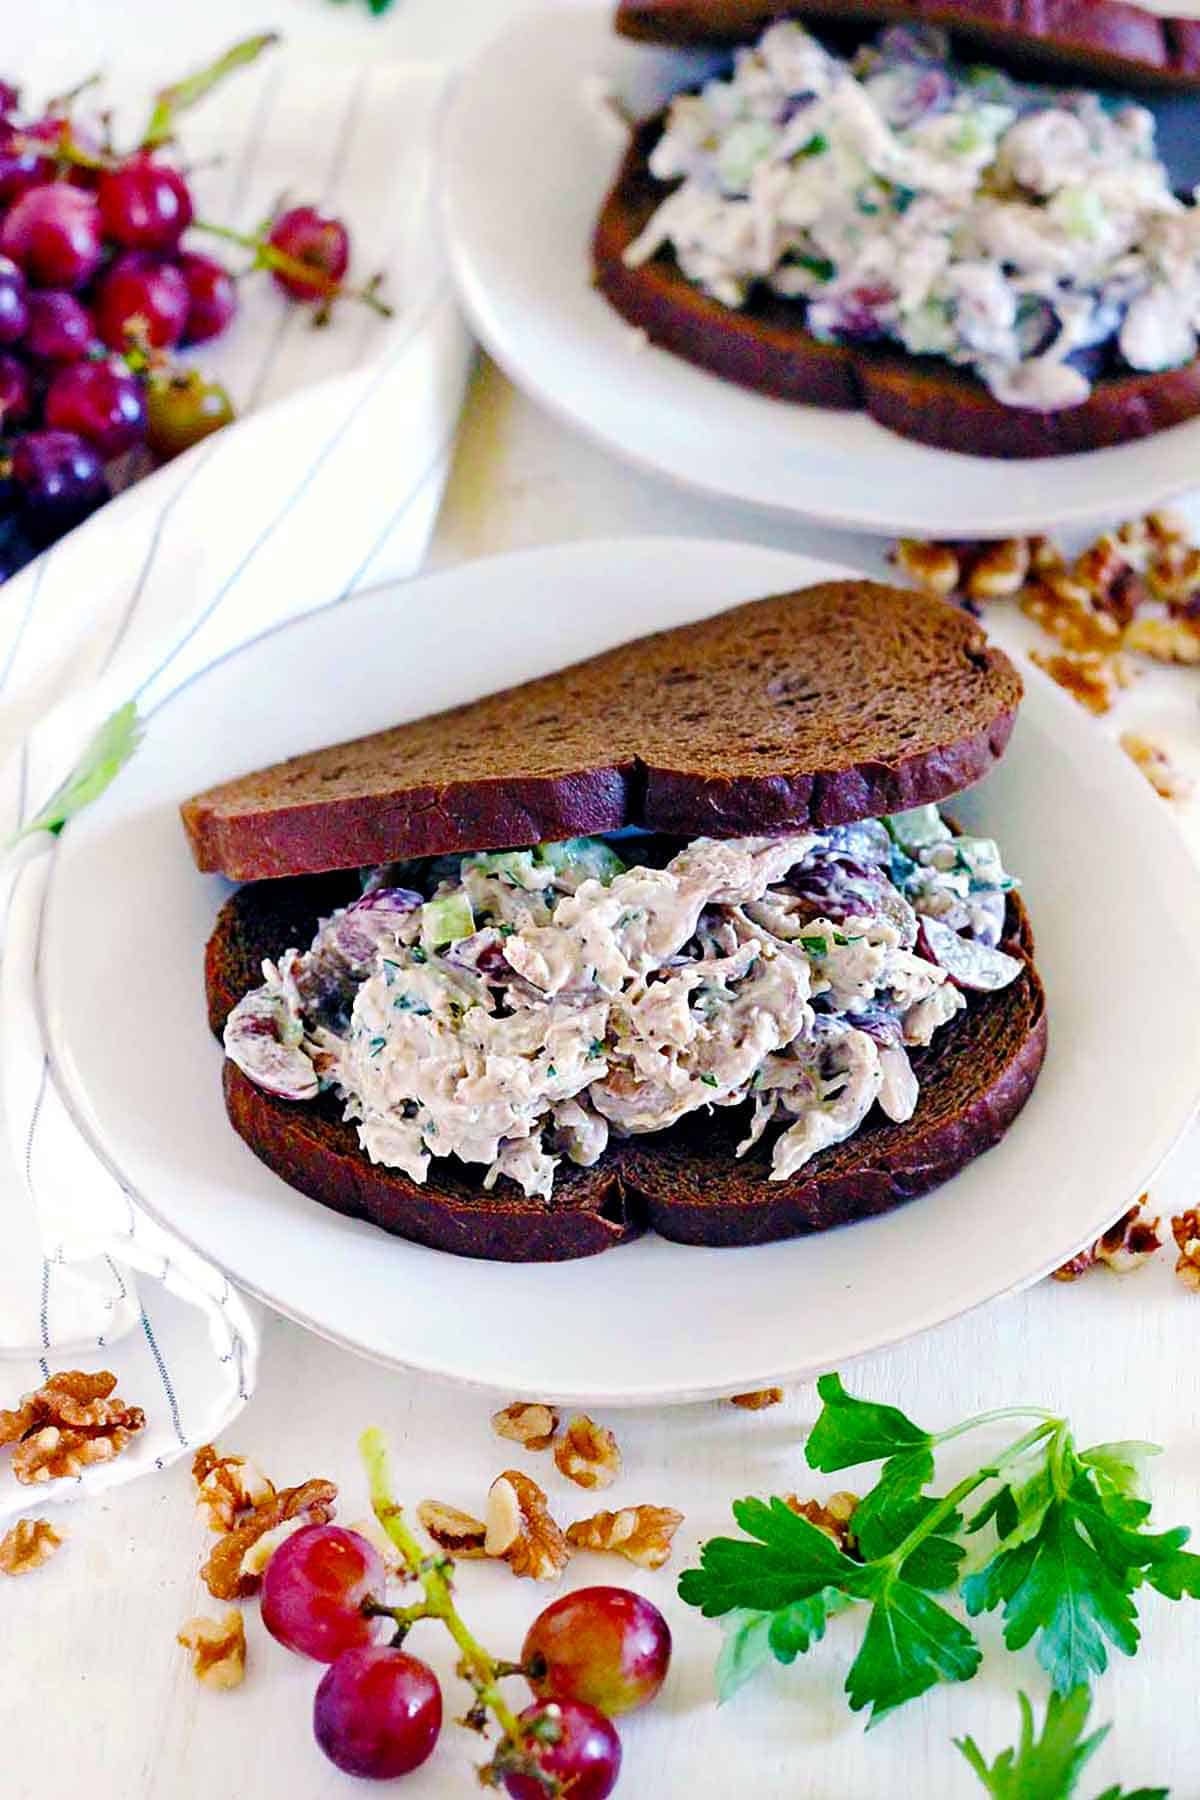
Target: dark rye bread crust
{"x": 685, "y": 1183}
{"x": 836, "y": 703}
{"x": 1106, "y": 39}
{"x": 764, "y": 346}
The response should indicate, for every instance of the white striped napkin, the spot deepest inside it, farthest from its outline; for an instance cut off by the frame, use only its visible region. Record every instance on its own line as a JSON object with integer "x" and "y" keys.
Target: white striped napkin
{"x": 312, "y": 497}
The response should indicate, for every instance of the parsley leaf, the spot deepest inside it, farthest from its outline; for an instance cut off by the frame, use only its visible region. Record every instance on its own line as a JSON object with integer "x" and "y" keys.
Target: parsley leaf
{"x": 851, "y": 1431}
{"x": 102, "y": 761}
{"x": 1049, "y": 1767}
{"x": 1072, "y": 1545}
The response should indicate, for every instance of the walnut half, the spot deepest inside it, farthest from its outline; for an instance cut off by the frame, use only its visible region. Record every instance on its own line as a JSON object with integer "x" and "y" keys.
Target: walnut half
{"x": 29, "y": 1544}
{"x": 457, "y": 1533}
{"x": 520, "y": 1529}
{"x": 641, "y": 1534}
{"x": 528, "y": 1423}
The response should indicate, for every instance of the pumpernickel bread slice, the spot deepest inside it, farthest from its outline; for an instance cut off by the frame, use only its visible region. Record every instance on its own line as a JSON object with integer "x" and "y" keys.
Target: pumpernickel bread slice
{"x": 765, "y": 346}
{"x": 1106, "y": 39}
{"x": 685, "y": 1182}
{"x": 835, "y": 703}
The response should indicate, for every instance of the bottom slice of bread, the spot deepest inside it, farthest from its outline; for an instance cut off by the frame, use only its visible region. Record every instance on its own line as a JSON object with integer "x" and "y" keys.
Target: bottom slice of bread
{"x": 685, "y": 1183}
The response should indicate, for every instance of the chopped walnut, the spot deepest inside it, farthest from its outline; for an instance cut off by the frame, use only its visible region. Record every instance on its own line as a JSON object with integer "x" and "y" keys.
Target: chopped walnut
{"x": 52, "y": 1454}
{"x": 834, "y": 1516}
{"x": 1109, "y": 578}
{"x": 759, "y": 1400}
{"x": 934, "y": 567}
{"x": 1174, "y": 574}
{"x": 1156, "y": 766}
{"x": 520, "y": 1529}
{"x": 999, "y": 571}
{"x": 641, "y": 1534}
{"x": 532, "y": 1424}
{"x": 1165, "y": 640}
{"x": 587, "y": 1454}
{"x": 227, "y": 1487}
{"x": 29, "y": 1544}
{"x": 1185, "y": 1228}
{"x": 224, "y": 1574}
{"x": 1128, "y": 1243}
{"x": 253, "y": 1565}
{"x": 1088, "y": 677}
{"x": 456, "y": 1532}
{"x": 82, "y": 1404}
{"x": 218, "y": 1648}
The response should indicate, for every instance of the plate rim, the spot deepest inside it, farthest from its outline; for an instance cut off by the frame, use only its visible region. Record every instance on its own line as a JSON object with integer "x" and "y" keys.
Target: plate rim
{"x": 545, "y": 393}
{"x": 74, "y": 1093}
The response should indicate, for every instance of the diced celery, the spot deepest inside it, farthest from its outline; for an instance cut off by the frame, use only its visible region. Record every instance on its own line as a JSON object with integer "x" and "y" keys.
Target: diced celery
{"x": 919, "y": 827}
{"x": 446, "y": 921}
{"x": 584, "y": 857}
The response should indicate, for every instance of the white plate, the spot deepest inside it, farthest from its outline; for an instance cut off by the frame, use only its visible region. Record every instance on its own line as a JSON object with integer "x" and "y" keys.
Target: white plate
{"x": 526, "y": 160}
{"x": 1114, "y": 897}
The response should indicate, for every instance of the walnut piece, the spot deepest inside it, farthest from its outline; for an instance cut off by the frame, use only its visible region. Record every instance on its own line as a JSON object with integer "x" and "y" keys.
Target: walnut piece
{"x": 218, "y": 1648}
{"x": 587, "y": 1454}
{"x": 227, "y": 1487}
{"x": 253, "y": 1565}
{"x": 759, "y": 1400}
{"x": 1088, "y": 677}
{"x": 641, "y": 1534}
{"x": 934, "y": 567}
{"x": 73, "y": 1420}
{"x": 528, "y": 1423}
{"x": 1128, "y": 1243}
{"x": 999, "y": 571}
{"x": 456, "y": 1532}
{"x": 1185, "y": 1228}
{"x": 520, "y": 1529}
{"x": 29, "y": 1544}
{"x": 1156, "y": 766}
{"x": 225, "y": 1574}
{"x": 1164, "y": 640}
{"x": 833, "y": 1516}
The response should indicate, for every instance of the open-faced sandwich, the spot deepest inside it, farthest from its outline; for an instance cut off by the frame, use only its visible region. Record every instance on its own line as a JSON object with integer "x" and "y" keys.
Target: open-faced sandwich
{"x": 855, "y": 211}
{"x": 676, "y": 937}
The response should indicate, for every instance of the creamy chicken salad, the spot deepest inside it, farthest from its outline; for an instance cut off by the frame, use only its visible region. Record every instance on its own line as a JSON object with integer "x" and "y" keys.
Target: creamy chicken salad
{"x": 516, "y": 1008}
{"x": 1026, "y": 234}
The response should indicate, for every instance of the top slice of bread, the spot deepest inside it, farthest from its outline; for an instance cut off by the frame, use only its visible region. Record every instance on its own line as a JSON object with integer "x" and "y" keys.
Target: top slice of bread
{"x": 816, "y": 708}
{"x": 1106, "y": 40}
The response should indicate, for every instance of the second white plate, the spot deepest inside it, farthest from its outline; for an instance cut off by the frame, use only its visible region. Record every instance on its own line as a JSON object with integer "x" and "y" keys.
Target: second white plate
{"x": 1113, "y": 894}
{"x": 527, "y": 157}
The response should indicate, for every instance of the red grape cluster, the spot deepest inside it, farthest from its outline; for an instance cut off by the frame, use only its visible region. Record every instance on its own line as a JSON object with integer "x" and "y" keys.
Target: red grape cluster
{"x": 588, "y": 1657}
{"x": 96, "y": 294}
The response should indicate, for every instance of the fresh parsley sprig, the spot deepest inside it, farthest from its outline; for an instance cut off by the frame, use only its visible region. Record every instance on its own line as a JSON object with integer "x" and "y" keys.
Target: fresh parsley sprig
{"x": 1048, "y": 1767}
{"x": 1071, "y": 1547}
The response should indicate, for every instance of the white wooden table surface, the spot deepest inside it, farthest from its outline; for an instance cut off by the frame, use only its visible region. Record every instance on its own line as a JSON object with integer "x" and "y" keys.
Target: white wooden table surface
{"x": 95, "y": 1698}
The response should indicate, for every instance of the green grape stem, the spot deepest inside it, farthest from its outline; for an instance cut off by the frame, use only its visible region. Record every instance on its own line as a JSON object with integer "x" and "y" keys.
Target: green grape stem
{"x": 433, "y": 1572}
{"x": 268, "y": 256}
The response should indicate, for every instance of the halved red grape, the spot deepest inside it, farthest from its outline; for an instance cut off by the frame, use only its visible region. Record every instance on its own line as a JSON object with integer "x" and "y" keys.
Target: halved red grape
{"x": 314, "y": 1589}
{"x": 14, "y": 302}
{"x": 606, "y": 1646}
{"x": 183, "y": 409}
{"x": 59, "y": 480}
{"x": 60, "y": 326}
{"x": 101, "y": 401}
{"x": 141, "y": 299}
{"x": 53, "y": 233}
{"x": 377, "y": 1712}
{"x": 575, "y": 1744}
{"x": 10, "y": 97}
{"x": 145, "y": 204}
{"x": 16, "y": 391}
{"x": 212, "y": 297}
{"x": 313, "y": 238}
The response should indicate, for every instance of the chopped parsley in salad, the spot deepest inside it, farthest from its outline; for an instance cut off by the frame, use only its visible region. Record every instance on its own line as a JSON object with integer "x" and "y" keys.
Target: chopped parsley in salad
{"x": 515, "y": 1008}
{"x": 1027, "y": 234}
